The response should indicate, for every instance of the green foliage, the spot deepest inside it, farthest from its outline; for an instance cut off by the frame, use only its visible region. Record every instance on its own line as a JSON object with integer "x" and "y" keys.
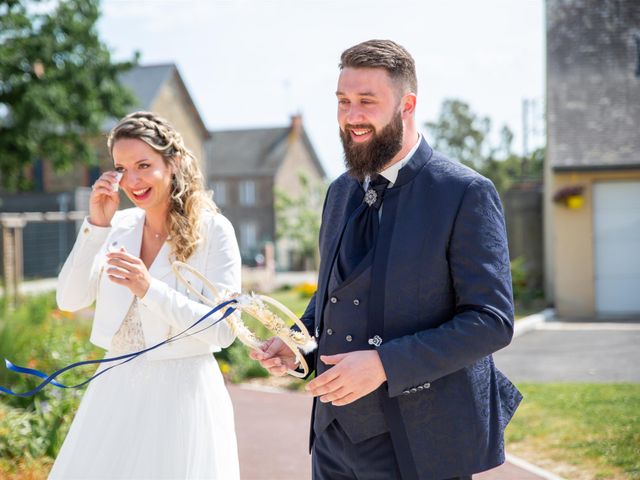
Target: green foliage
{"x": 463, "y": 135}
{"x": 298, "y": 217}
{"x": 519, "y": 278}
{"x": 57, "y": 86}
{"x": 38, "y": 335}
{"x": 306, "y": 290}
{"x": 241, "y": 366}
{"x": 594, "y": 426}
{"x": 525, "y": 294}
{"x": 460, "y": 133}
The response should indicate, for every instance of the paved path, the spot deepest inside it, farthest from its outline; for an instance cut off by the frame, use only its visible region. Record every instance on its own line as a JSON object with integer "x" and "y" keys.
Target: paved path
{"x": 574, "y": 352}
{"x": 273, "y": 436}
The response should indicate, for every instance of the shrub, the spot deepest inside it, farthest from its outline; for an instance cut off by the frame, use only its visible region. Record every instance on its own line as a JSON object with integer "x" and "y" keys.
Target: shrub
{"x": 39, "y": 336}
{"x": 306, "y": 289}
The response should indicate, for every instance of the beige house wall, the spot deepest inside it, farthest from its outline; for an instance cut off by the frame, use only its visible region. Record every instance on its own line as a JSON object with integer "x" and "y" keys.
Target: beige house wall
{"x": 573, "y": 248}
{"x": 172, "y": 103}
{"x": 297, "y": 160}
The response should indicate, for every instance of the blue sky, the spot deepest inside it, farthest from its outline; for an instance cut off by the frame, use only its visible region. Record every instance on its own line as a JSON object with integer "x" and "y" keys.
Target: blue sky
{"x": 253, "y": 63}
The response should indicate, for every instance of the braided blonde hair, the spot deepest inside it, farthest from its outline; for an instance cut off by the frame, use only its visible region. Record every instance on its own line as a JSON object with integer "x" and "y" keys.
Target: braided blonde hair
{"x": 188, "y": 196}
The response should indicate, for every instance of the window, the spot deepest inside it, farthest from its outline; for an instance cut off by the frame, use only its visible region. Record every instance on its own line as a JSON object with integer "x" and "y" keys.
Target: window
{"x": 220, "y": 193}
{"x": 248, "y": 192}
{"x": 248, "y": 237}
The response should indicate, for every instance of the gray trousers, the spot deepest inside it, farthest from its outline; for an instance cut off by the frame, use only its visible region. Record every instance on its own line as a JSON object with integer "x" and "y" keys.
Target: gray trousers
{"x": 334, "y": 457}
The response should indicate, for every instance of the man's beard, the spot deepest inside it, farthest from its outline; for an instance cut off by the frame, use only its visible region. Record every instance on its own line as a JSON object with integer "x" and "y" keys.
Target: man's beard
{"x": 371, "y": 157}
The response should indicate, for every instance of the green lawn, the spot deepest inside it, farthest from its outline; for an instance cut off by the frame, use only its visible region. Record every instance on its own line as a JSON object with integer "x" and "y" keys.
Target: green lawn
{"x": 292, "y": 299}
{"x": 579, "y": 430}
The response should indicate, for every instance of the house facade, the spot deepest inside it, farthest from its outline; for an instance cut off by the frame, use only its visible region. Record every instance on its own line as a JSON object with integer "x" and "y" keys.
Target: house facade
{"x": 246, "y": 168}
{"x": 158, "y": 88}
{"x": 592, "y": 174}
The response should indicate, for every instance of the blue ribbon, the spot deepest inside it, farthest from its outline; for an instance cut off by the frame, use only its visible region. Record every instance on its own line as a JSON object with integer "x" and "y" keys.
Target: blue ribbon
{"x": 50, "y": 379}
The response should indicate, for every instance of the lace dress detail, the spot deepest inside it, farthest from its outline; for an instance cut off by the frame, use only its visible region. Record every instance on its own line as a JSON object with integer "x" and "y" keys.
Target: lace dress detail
{"x": 129, "y": 337}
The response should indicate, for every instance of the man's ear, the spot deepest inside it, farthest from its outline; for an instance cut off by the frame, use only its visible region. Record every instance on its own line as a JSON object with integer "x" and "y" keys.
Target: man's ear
{"x": 408, "y": 103}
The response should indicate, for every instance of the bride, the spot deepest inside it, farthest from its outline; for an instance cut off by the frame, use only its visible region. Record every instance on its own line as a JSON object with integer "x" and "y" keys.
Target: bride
{"x": 167, "y": 414}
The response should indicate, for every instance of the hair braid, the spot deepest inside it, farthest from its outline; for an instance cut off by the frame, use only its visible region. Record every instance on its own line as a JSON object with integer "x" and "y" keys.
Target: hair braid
{"x": 188, "y": 196}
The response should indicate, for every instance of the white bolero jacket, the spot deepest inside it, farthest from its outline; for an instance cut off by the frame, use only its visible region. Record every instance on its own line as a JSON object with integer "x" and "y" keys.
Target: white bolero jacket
{"x": 166, "y": 309}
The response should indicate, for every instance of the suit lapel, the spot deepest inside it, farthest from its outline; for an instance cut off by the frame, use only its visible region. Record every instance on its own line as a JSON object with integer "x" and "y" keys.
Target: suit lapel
{"x": 129, "y": 237}
{"x": 161, "y": 265}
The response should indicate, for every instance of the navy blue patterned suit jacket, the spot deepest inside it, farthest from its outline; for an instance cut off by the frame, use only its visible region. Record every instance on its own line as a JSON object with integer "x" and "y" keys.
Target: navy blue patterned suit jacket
{"x": 447, "y": 307}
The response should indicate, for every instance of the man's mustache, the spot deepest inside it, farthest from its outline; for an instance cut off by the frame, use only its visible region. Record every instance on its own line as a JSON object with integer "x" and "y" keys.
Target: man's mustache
{"x": 359, "y": 126}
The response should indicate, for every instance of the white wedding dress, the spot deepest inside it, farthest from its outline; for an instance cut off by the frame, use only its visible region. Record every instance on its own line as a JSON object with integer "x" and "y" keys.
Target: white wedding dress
{"x": 151, "y": 419}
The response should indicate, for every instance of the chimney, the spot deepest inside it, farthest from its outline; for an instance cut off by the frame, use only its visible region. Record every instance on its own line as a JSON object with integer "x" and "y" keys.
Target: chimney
{"x": 295, "y": 130}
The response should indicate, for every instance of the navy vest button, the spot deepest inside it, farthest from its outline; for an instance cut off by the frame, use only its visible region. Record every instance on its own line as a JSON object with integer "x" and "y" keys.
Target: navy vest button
{"x": 356, "y": 302}
{"x": 334, "y": 300}
{"x": 329, "y": 331}
{"x": 349, "y": 338}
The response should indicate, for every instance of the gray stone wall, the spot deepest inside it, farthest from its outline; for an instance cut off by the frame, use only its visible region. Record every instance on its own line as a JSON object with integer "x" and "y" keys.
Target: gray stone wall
{"x": 523, "y": 216}
{"x": 593, "y": 83}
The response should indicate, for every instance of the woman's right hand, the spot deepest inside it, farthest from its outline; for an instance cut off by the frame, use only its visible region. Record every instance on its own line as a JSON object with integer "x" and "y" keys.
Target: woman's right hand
{"x": 104, "y": 199}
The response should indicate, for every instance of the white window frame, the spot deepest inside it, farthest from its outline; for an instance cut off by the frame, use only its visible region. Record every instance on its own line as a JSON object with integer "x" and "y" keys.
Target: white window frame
{"x": 247, "y": 192}
{"x": 220, "y": 193}
{"x": 248, "y": 236}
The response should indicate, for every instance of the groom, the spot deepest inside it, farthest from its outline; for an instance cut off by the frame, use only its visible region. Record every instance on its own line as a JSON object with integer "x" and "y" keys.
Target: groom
{"x": 414, "y": 295}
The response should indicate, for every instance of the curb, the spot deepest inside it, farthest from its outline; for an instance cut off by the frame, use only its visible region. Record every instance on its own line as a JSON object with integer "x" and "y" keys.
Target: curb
{"x": 531, "y": 468}
{"x": 532, "y": 322}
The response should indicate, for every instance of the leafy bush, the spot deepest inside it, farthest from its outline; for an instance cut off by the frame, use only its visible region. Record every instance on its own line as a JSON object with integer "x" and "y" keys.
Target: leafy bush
{"x": 306, "y": 289}
{"x": 524, "y": 292}
{"x": 37, "y": 335}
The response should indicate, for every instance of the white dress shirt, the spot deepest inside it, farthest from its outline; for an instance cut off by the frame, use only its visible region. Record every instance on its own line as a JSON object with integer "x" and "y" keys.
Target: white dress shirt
{"x": 391, "y": 172}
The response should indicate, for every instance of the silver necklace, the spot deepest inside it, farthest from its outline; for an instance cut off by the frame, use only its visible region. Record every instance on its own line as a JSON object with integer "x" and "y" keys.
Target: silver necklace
{"x": 155, "y": 235}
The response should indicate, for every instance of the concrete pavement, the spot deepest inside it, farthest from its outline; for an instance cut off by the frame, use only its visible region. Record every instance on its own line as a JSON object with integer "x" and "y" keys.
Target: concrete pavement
{"x": 569, "y": 351}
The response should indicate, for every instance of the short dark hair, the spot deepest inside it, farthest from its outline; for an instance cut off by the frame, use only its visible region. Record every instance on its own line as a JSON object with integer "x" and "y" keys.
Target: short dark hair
{"x": 386, "y": 54}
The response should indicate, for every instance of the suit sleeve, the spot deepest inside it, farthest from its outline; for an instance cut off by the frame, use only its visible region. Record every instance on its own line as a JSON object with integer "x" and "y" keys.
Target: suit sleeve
{"x": 478, "y": 259}
{"x": 223, "y": 268}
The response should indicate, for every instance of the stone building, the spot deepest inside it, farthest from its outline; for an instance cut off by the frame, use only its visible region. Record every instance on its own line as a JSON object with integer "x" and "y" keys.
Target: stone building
{"x": 592, "y": 176}
{"x": 246, "y": 167}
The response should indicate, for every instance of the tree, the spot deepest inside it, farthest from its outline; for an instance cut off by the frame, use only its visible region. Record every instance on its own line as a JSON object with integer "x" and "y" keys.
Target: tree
{"x": 461, "y": 133}
{"x": 298, "y": 217}
{"x": 465, "y": 136}
{"x": 57, "y": 86}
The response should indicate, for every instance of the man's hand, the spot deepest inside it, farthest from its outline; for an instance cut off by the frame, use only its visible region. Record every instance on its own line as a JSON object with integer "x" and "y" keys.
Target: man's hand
{"x": 354, "y": 375}
{"x": 275, "y": 357}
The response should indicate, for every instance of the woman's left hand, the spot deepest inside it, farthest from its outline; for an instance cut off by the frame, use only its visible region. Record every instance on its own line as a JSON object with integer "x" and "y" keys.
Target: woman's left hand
{"x": 129, "y": 271}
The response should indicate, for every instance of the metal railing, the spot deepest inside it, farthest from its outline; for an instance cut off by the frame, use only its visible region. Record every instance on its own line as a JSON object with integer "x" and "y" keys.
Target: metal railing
{"x": 33, "y": 245}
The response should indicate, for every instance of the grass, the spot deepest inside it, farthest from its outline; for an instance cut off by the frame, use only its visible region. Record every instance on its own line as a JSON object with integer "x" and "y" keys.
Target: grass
{"x": 579, "y": 431}
{"x": 296, "y": 302}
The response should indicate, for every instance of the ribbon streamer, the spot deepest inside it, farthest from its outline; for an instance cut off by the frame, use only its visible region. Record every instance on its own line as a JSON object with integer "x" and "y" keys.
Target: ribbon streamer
{"x": 50, "y": 379}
